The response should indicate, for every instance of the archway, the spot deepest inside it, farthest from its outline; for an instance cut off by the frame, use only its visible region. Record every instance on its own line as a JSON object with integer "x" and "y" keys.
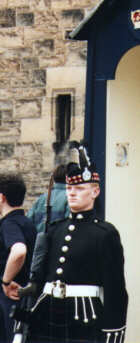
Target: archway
{"x": 122, "y": 173}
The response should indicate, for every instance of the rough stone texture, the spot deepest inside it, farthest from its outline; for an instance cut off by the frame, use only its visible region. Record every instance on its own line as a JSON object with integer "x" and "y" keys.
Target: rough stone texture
{"x": 72, "y": 4}
{"x": 25, "y": 19}
{"x": 17, "y": 53}
{"x": 9, "y": 65}
{"x": 6, "y": 105}
{"x": 29, "y": 63}
{"x": 44, "y": 48}
{"x": 38, "y": 78}
{"x": 3, "y": 4}
{"x": 6, "y": 150}
{"x": 21, "y": 79}
{"x": 76, "y": 51}
{"x": 10, "y": 164}
{"x": 27, "y": 108}
{"x": 40, "y": 4}
{"x": 11, "y": 38}
{"x": 7, "y": 18}
{"x": 28, "y": 93}
{"x": 17, "y": 3}
{"x": 72, "y": 17}
{"x": 38, "y": 62}
{"x": 5, "y": 118}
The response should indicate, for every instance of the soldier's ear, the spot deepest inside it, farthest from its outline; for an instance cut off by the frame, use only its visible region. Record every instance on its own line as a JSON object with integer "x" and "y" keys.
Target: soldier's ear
{"x": 2, "y": 197}
{"x": 95, "y": 190}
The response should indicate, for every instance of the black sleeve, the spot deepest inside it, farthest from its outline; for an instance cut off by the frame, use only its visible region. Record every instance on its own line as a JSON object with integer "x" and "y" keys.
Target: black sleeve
{"x": 12, "y": 234}
{"x": 39, "y": 258}
{"x": 115, "y": 294}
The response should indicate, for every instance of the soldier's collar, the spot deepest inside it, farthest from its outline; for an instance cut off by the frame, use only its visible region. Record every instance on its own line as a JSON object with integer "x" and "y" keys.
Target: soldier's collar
{"x": 86, "y": 215}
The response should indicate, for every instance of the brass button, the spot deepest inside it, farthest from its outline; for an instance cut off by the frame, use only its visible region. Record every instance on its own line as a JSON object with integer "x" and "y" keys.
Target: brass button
{"x": 79, "y": 216}
{"x": 64, "y": 248}
{"x": 71, "y": 227}
{"x": 68, "y": 238}
{"x": 59, "y": 271}
{"x": 62, "y": 259}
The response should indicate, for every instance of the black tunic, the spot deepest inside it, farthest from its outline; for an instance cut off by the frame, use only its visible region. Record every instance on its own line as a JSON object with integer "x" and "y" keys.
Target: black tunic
{"x": 83, "y": 251}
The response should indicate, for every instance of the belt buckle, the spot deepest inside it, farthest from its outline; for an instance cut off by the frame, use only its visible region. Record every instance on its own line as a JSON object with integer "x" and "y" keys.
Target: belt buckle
{"x": 59, "y": 289}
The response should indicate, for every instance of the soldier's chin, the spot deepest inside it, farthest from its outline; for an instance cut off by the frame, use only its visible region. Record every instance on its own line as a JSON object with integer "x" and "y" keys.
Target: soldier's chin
{"x": 74, "y": 207}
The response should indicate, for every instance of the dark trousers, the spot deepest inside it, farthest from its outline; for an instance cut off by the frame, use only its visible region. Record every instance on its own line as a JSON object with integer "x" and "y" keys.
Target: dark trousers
{"x": 6, "y": 323}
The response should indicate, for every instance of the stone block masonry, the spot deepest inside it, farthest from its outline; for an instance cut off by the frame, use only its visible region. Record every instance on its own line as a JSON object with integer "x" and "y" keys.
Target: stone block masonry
{"x": 37, "y": 63}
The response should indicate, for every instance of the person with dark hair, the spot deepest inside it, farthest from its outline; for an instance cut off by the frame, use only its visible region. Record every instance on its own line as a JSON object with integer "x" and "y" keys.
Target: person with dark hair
{"x": 17, "y": 239}
{"x": 13, "y": 184}
{"x": 84, "y": 297}
{"x": 58, "y": 202}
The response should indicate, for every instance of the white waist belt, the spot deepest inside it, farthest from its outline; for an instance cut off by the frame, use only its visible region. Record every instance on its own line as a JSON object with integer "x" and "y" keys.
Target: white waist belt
{"x": 59, "y": 289}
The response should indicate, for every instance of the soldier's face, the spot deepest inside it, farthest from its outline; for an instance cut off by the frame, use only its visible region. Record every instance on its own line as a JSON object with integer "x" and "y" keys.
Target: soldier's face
{"x": 81, "y": 197}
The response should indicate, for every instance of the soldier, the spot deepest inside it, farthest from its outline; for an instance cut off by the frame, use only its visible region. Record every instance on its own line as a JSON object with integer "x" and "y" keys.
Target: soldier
{"x": 84, "y": 298}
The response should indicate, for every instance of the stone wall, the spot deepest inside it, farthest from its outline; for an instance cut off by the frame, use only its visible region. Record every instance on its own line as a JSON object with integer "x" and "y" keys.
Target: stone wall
{"x": 38, "y": 62}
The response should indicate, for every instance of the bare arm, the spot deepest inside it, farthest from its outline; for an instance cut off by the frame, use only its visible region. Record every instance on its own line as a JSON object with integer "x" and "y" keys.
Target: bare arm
{"x": 14, "y": 264}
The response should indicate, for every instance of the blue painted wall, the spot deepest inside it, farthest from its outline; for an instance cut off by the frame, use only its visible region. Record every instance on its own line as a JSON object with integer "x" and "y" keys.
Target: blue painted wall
{"x": 110, "y": 34}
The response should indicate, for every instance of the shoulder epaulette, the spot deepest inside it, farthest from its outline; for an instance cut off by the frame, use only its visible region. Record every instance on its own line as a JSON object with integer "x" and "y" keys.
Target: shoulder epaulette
{"x": 107, "y": 226}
